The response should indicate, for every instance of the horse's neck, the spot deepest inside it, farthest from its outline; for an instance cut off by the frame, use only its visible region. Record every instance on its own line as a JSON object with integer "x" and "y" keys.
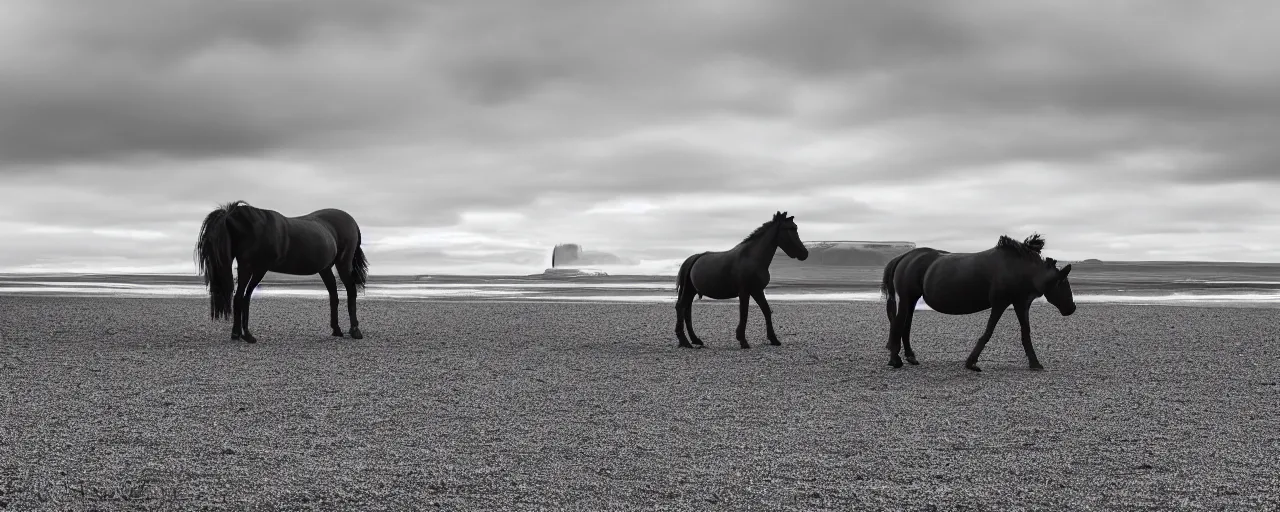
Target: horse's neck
{"x": 762, "y": 248}
{"x": 248, "y": 224}
{"x": 1020, "y": 270}
{"x": 1032, "y": 270}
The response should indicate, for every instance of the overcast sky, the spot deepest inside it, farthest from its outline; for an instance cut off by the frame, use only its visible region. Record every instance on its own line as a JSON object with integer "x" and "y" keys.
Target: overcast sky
{"x": 472, "y": 136}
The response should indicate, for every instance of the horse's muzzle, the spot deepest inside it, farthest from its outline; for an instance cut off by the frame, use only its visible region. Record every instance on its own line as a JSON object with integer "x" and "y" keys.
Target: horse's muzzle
{"x": 803, "y": 256}
{"x": 1067, "y": 311}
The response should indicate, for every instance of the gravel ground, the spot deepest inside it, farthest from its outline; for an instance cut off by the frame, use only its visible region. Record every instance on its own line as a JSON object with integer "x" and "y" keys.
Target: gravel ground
{"x": 146, "y": 404}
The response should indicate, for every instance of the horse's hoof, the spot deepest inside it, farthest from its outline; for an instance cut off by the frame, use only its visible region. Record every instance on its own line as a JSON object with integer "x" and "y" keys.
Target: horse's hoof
{"x": 774, "y": 342}
{"x": 248, "y": 338}
{"x": 355, "y": 334}
{"x": 684, "y": 344}
{"x": 235, "y": 336}
{"x": 972, "y": 366}
{"x": 912, "y": 360}
{"x": 745, "y": 345}
{"x": 895, "y": 362}
{"x": 697, "y": 342}
{"x": 1036, "y": 366}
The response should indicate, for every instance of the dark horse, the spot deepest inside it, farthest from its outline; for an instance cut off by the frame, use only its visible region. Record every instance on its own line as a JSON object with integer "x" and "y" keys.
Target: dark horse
{"x": 741, "y": 272}
{"x": 1010, "y": 274}
{"x": 262, "y": 241}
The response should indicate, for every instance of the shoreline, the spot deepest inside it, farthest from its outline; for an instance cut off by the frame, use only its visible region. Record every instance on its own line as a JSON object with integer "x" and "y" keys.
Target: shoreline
{"x": 583, "y": 296}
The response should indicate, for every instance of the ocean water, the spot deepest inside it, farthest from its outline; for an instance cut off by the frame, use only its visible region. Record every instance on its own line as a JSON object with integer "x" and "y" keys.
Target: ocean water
{"x": 620, "y": 289}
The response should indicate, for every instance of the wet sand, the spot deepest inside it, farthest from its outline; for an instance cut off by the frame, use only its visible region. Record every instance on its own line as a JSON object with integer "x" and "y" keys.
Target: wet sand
{"x": 125, "y": 403}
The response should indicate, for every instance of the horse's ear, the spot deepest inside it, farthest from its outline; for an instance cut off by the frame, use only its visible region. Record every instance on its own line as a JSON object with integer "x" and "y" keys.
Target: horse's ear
{"x": 791, "y": 218}
{"x": 1065, "y": 270}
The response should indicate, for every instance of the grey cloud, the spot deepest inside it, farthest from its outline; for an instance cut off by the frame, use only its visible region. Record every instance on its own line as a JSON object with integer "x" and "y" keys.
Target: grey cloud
{"x": 85, "y": 248}
{"x": 194, "y": 79}
{"x": 957, "y": 72}
{"x": 409, "y": 113}
{"x": 171, "y": 30}
{"x": 828, "y": 38}
{"x": 940, "y": 64}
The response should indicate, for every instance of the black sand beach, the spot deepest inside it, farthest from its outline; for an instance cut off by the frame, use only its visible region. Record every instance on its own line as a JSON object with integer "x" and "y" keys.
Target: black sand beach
{"x": 114, "y": 403}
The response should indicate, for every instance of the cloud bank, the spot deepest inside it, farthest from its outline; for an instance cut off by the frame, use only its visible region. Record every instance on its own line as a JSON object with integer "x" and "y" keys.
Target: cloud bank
{"x": 474, "y": 136}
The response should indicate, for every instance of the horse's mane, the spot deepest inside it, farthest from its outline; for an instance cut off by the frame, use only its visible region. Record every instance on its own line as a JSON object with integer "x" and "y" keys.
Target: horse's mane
{"x": 215, "y": 217}
{"x": 1031, "y": 246}
{"x": 763, "y": 227}
{"x": 227, "y": 207}
{"x": 758, "y": 232}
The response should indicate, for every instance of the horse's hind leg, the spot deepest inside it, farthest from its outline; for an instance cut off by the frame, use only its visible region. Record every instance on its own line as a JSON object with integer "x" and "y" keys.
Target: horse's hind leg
{"x": 899, "y": 328}
{"x": 688, "y": 321}
{"x": 894, "y": 336}
{"x": 244, "y": 310}
{"x": 344, "y": 273}
{"x": 972, "y": 362}
{"x": 682, "y": 304}
{"x": 684, "y": 317}
{"x": 908, "y": 314}
{"x": 331, "y": 284}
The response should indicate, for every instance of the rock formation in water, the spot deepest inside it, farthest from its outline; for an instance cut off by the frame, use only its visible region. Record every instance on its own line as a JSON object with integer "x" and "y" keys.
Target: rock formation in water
{"x": 573, "y": 255}
{"x": 821, "y": 254}
{"x": 573, "y": 272}
{"x": 846, "y": 254}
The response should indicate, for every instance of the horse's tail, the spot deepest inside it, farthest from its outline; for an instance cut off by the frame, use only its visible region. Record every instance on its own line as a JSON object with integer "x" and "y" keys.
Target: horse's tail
{"x": 886, "y": 286}
{"x": 683, "y": 278}
{"x": 359, "y": 265}
{"x": 213, "y": 259}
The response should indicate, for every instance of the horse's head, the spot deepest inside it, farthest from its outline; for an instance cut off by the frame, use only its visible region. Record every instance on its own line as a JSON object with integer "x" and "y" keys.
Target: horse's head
{"x": 788, "y": 236}
{"x": 215, "y": 250}
{"x": 1052, "y": 282}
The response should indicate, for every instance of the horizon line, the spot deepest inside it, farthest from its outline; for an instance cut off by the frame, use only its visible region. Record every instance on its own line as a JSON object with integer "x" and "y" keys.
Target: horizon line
{"x": 419, "y": 274}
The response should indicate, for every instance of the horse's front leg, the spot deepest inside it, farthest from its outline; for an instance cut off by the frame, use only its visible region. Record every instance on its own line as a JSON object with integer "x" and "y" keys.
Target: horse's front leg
{"x": 1024, "y": 319}
{"x": 744, "y": 303}
{"x": 243, "y": 276}
{"x": 996, "y": 311}
{"x": 248, "y": 295}
{"x": 768, "y": 316}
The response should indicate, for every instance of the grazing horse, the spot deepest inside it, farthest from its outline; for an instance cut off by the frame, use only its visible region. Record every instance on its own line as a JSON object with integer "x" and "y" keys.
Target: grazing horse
{"x": 741, "y": 272}
{"x": 1010, "y": 274}
{"x": 262, "y": 241}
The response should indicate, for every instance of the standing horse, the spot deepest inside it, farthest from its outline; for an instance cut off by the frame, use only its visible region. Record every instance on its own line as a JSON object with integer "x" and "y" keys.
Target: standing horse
{"x": 741, "y": 272}
{"x": 1010, "y": 274}
{"x": 262, "y": 241}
